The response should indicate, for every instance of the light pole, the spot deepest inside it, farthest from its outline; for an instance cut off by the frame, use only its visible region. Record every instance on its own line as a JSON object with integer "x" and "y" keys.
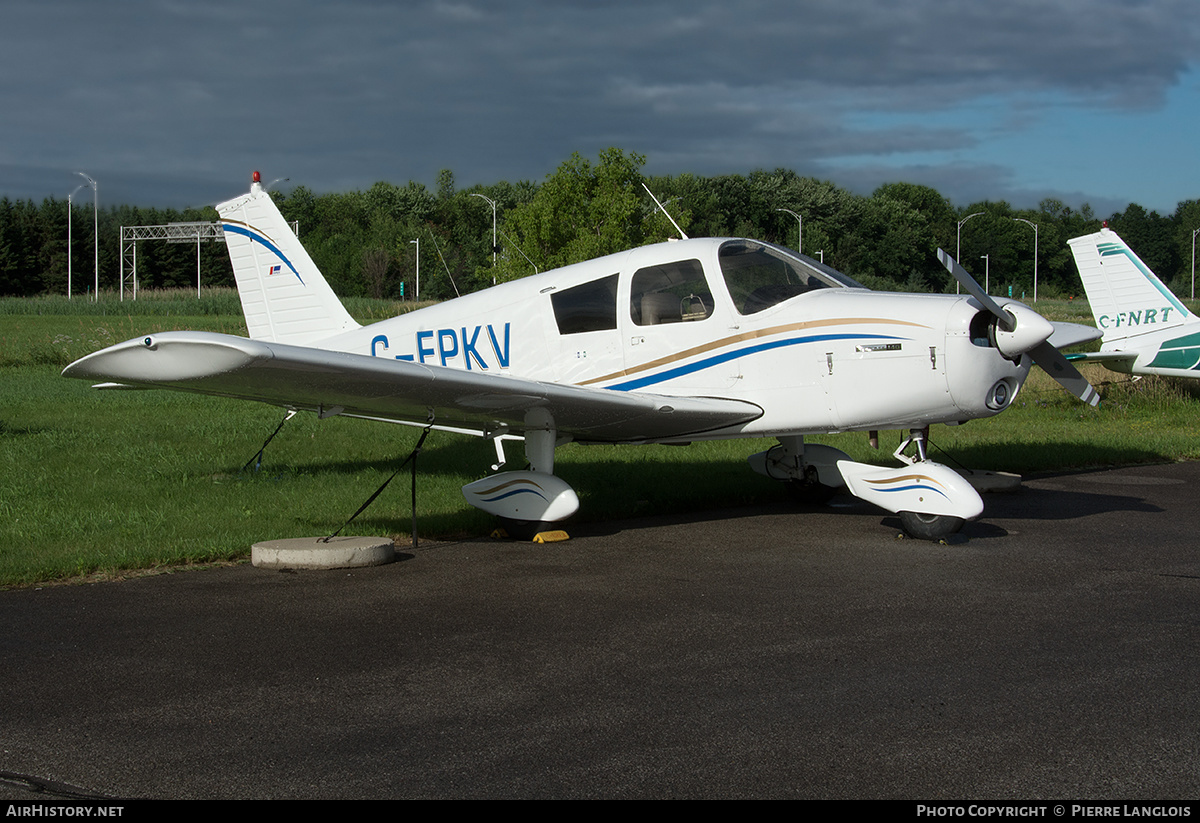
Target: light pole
{"x": 417, "y": 296}
{"x": 493, "y": 204}
{"x": 1035, "y": 250}
{"x": 958, "y": 246}
{"x": 70, "y": 208}
{"x": 799, "y": 229}
{"x": 987, "y": 274}
{"x": 95, "y": 231}
{"x": 1194, "y": 233}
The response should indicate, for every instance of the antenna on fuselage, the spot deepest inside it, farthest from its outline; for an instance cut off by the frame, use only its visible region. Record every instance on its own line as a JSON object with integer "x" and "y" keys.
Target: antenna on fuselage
{"x": 664, "y": 211}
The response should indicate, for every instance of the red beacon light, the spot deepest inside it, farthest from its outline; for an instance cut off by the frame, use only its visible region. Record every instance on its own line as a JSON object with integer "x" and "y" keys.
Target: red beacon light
{"x": 257, "y": 178}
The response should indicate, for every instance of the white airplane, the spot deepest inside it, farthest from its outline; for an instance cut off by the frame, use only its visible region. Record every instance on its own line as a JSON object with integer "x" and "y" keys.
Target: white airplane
{"x": 688, "y": 340}
{"x": 1147, "y": 329}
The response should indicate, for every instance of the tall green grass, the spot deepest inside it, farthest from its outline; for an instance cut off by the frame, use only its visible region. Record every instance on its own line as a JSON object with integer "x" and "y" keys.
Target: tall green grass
{"x": 156, "y": 303}
{"x": 55, "y": 331}
{"x": 219, "y": 301}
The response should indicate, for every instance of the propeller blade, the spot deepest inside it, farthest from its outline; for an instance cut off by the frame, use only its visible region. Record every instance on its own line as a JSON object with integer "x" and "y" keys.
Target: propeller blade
{"x": 972, "y": 286}
{"x": 1055, "y": 364}
{"x": 1032, "y": 338}
{"x": 1019, "y": 329}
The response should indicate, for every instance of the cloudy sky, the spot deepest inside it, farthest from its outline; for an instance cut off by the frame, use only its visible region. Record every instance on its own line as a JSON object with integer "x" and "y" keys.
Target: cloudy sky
{"x": 167, "y": 102}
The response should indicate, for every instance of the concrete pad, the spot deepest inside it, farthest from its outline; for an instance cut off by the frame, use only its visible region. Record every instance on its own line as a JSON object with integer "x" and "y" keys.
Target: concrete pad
{"x": 315, "y": 553}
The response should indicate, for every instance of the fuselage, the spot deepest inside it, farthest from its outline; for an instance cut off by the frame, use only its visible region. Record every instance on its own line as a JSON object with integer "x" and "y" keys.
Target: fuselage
{"x": 721, "y": 318}
{"x": 1168, "y": 353}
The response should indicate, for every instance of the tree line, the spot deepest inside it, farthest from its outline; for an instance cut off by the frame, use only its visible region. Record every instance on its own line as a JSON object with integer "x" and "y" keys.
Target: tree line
{"x": 367, "y": 242}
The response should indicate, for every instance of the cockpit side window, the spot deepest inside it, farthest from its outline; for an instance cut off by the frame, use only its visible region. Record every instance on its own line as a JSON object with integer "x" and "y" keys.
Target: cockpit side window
{"x": 675, "y": 292}
{"x": 586, "y": 307}
{"x": 760, "y": 276}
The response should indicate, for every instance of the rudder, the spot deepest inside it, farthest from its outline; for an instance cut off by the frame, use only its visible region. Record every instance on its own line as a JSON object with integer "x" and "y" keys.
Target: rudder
{"x": 285, "y": 298}
{"x": 1127, "y": 299}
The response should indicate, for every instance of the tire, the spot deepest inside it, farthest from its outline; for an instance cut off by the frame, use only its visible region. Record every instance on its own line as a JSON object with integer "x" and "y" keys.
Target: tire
{"x": 929, "y": 526}
{"x": 810, "y": 494}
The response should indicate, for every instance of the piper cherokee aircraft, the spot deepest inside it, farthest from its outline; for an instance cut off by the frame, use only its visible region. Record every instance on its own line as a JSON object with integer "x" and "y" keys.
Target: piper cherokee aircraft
{"x": 695, "y": 339}
{"x": 1147, "y": 330}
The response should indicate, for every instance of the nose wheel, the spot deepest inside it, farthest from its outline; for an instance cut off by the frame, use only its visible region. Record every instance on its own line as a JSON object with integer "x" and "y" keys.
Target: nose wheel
{"x": 922, "y": 525}
{"x": 929, "y": 526}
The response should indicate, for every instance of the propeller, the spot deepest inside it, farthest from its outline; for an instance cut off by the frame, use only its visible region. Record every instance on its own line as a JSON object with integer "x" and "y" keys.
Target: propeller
{"x": 1021, "y": 330}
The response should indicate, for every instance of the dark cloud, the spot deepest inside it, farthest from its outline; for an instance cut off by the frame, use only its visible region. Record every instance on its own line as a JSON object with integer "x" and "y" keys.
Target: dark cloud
{"x": 338, "y": 95}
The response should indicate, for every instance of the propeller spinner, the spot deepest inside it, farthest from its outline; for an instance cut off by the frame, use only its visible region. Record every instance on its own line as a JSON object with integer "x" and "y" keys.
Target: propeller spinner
{"x": 1021, "y": 330}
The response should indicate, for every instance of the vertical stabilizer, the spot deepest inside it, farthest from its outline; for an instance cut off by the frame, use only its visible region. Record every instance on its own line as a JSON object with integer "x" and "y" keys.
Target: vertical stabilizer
{"x": 1126, "y": 298}
{"x": 284, "y": 296}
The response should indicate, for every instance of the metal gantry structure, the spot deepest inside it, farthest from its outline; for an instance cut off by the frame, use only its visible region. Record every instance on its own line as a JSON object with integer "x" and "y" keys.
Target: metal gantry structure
{"x": 172, "y": 233}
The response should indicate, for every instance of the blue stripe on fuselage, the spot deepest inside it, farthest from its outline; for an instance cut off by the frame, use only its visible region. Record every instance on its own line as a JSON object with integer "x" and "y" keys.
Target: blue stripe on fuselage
{"x": 725, "y": 357}
{"x": 511, "y": 493}
{"x": 915, "y": 487}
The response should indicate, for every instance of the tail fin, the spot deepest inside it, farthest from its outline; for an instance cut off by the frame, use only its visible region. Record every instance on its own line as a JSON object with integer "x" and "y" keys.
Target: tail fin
{"x": 284, "y": 296}
{"x": 1126, "y": 298}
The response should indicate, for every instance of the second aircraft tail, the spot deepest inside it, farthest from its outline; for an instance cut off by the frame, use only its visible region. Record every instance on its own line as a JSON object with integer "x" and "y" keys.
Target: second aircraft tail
{"x": 1126, "y": 298}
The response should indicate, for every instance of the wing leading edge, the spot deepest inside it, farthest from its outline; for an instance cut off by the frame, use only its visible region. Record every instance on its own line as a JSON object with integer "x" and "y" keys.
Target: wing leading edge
{"x": 358, "y": 385}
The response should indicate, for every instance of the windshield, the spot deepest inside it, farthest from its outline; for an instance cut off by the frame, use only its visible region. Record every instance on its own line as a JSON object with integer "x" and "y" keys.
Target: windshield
{"x": 759, "y": 275}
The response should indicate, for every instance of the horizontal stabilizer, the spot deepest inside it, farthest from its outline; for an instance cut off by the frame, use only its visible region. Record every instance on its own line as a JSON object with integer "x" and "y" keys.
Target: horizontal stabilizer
{"x": 1103, "y": 357}
{"x": 1072, "y": 334}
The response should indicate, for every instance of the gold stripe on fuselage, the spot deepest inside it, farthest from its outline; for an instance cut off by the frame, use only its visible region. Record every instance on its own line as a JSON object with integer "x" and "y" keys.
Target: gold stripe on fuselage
{"x": 741, "y": 338}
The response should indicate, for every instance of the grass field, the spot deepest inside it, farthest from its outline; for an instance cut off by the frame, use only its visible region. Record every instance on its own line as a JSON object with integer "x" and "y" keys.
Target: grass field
{"x": 104, "y": 481}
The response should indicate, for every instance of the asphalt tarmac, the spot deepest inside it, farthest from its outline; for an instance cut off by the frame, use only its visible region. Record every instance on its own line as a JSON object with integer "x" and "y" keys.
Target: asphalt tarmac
{"x": 1051, "y": 651}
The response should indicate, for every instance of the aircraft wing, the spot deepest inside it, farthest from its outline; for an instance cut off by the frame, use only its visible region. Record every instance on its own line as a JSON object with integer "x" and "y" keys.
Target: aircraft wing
{"x": 359, "y": 385}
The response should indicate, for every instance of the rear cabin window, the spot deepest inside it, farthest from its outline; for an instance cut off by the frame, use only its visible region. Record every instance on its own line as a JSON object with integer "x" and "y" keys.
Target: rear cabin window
{"x": 586, "y": 307}
{"x": 760, "y": 276}
{"x": 675, "y": 292}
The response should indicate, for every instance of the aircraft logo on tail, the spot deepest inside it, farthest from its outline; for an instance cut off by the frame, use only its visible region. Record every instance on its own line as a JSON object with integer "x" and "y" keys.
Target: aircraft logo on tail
{"x": 1108, "y": 249}
{"x": 256, "y": 236}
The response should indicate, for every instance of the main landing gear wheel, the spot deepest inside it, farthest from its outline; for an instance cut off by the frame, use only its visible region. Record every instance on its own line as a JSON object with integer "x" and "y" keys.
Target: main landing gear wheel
{"x": 806, "y": 493}
{"x": 929, "y": 526}
{"x": 809, "y": 490}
